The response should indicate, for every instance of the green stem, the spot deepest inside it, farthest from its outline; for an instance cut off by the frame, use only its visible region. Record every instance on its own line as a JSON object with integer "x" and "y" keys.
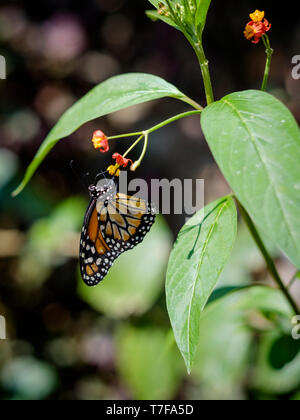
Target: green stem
{"x": 269, "y": 52}
{"x": 173, "y": 119}
{"x": 145, "y": 134}
{"x": 158, "y": 126}
{"x": 204, "y": 65}
{"x": 268, "y": 259}
{"x": 198, "y": 47}
{"x": 193, "y": 103}
{"x": 139, "y": 161}
{"x": 133, "y": 145}
{"x": 122, "y": 136}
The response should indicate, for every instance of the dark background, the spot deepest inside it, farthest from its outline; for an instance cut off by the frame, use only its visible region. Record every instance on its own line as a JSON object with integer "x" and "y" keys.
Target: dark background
{"x": 56, "y": 51}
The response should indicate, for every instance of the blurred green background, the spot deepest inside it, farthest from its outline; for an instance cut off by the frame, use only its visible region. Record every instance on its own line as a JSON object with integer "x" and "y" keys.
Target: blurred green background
{"x": 68, "y": 342}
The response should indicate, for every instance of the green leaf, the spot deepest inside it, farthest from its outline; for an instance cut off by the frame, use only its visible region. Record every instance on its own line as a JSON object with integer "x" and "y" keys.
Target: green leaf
{"x": 115, "y": 94}
{"x": 226, "y": 346}
{"x": 136, "y": 279}
{"x": 148, "y": 365}
{"x": 201, "y": 14}
{"x": 222, "y": 292}
{"x": 195, "y": 18}
{"x": 223, "y": 353}
{"x": 155, "y": 3}
{"x": 263, "y": 299}
{"x": 278, "y": 366}
{"x": 201, "y": 251}
{"x": 155, "y": 16}
{"x": 256, "y": 142}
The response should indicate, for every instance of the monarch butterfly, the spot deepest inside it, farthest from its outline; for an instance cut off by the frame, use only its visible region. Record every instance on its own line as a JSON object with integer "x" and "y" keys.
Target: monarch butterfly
{"x": 113, "y": 223}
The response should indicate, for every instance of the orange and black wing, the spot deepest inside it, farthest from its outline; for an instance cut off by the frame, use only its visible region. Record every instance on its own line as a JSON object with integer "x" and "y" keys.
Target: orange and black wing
{"x": 95, "y": 255}
{"x": 125, "y": 221}
{"x": 110, "y": 229}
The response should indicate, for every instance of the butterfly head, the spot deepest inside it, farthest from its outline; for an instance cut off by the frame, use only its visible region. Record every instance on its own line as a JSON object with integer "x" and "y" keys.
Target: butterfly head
{"x": 94, "y": 191}
{"x": 103, "y": 190}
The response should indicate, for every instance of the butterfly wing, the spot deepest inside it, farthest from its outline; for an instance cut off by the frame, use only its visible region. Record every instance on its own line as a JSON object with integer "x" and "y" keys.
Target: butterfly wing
{"x": 125, "y": 221}
{"x": 95, "y": 256}
{"x": 111, "y": 228}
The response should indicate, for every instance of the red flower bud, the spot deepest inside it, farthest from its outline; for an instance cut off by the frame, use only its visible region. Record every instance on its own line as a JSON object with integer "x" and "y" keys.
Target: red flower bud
{"x": 121, "y": 161}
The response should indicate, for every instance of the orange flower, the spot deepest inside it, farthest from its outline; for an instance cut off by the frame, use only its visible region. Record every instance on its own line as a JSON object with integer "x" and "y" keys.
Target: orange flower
{"x": 256, "y": 30}
{"x": 121, "y": 161}
{"x": 100, "y": 141}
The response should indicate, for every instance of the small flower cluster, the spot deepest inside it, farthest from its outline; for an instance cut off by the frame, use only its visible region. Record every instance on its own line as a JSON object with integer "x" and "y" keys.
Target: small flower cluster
{"x": 101, "y": 142}
{"x": 121, "y": 162}
{"x": 257, "y": 27}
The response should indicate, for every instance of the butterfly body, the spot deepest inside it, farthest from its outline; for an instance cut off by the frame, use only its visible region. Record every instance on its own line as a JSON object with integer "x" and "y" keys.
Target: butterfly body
{"x": 114, "y": 223}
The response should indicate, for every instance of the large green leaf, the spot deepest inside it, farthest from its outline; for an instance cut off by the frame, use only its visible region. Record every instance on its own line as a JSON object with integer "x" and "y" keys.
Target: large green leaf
{"x": 148, "y": 365}
{"x": 277, "y": 369}
{"x": 136, "y": 279}
{"x": 226, "y": 346}
{"x": 115, "y": 94}
{"x": 201, "y": 251}
{"x": 256, "y": 142}
{"x": 223, "y": 353}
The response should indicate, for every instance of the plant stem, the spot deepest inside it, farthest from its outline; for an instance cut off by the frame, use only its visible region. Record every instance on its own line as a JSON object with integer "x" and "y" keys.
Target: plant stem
{"x": 158, "y": 126}
{"x": 193, "y": 103}
{"x": 268, "y": 259}
{"x": 173, "y": 119}
{"x": 139, "y": 161}
{"x": 133, "y": 145}
{"x": 122, "y": 136}
{"x": 269, "y": 52}
{"x": 204, "y": 65}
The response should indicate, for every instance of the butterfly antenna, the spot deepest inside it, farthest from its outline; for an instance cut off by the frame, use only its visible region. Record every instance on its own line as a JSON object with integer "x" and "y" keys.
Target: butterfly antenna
{"x": 101, "y": 174}
{"x": 80, "y": 178}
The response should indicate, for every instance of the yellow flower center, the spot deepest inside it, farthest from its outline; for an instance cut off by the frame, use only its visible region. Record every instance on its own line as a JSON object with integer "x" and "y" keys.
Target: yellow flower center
{"x": 114, "y": 170}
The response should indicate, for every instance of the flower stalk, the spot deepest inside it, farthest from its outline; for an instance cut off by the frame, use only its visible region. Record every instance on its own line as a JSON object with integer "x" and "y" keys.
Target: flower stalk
{"x": 268, "y": 259}
{"x": 204, "y": 65}
{"x": 269, "y": 52}
{"x": 194, "y": 36}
